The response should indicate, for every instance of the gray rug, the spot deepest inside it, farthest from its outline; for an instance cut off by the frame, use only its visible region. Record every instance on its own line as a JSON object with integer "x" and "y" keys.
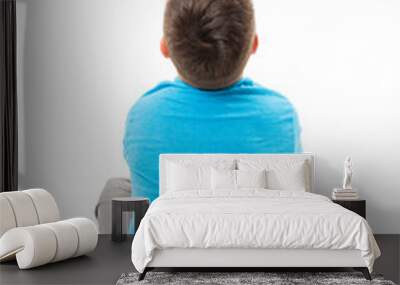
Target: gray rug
{"x": 268, "y": 278}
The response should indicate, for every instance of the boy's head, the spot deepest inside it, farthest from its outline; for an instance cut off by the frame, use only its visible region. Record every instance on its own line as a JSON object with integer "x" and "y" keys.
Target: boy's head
{"x": 209, "y": 41}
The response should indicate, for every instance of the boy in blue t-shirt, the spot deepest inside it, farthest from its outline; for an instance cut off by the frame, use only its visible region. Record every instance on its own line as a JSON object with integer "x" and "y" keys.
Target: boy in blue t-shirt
{"x": 210, "y": 108}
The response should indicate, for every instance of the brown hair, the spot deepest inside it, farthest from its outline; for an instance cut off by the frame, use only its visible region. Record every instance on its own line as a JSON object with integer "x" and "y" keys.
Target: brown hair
{"x": 209, "y": 41}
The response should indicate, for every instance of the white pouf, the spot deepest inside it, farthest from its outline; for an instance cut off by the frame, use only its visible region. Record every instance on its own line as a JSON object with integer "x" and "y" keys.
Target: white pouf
{"x": 31, "y": 232}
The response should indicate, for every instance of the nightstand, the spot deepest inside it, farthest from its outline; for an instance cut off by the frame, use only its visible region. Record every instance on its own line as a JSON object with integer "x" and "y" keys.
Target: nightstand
{"x": 138, "y": 205}
{"x": 357, "y": 206}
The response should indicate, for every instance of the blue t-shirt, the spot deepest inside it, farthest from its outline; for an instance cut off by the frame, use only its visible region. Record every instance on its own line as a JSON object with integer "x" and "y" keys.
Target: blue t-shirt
{"x": 175, "y": 117}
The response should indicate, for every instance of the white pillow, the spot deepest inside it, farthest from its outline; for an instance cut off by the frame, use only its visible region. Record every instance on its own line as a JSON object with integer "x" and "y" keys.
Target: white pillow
{"x": 226, "y": 179}
{"x": 292, "y": 179}
{"x": 187, "y": 177}
{"x": 251, "y": 178}
{"x": 282, "y": 174}
{"x": 223, "y": 179}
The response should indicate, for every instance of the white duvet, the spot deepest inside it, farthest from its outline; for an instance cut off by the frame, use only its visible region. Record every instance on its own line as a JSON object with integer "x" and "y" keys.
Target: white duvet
{"x": 250, "y": 219}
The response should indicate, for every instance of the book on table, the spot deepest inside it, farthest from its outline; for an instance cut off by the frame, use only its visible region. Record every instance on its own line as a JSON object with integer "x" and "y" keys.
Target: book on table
{"x": 345, "y": 194}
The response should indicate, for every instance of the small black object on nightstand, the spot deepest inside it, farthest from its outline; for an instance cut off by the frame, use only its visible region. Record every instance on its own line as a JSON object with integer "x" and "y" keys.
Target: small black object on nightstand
{"x": 138, "y": 205}
{"x": 357, "y": 206}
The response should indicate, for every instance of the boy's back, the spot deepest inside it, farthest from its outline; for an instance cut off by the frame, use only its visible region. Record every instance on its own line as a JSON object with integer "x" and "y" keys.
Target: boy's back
{"x": 210, "y": 109}
{"x": 177, "y": 118}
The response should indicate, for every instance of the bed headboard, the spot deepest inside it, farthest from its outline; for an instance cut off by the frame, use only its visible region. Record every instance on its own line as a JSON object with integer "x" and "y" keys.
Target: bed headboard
{"x": 215, "y": 157}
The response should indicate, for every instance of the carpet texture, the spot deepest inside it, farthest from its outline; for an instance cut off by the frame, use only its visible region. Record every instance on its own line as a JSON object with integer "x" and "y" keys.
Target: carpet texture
{"x": 243, "y": 278}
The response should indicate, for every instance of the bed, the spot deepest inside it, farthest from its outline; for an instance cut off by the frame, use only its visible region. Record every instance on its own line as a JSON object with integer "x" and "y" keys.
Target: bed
{"x": 247, "y": 211}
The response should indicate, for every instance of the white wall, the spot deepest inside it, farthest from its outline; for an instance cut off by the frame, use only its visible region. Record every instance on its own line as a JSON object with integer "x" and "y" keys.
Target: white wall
{"x": 84, "y": 62}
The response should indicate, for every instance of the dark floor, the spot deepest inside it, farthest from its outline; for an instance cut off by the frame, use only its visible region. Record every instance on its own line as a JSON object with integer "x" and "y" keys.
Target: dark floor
{"x": 110, "y": 260}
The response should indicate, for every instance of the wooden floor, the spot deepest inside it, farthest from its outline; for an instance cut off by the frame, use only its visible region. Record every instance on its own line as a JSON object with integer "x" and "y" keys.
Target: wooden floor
{"x": 110, "y": 260}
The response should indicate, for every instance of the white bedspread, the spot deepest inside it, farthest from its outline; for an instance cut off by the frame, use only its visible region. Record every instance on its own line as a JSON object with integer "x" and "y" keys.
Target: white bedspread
{"x": 250, "y": 219}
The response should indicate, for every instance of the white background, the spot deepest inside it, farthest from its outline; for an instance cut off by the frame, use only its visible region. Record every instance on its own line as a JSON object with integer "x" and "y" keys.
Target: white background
{"x": 83, "y": 63}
